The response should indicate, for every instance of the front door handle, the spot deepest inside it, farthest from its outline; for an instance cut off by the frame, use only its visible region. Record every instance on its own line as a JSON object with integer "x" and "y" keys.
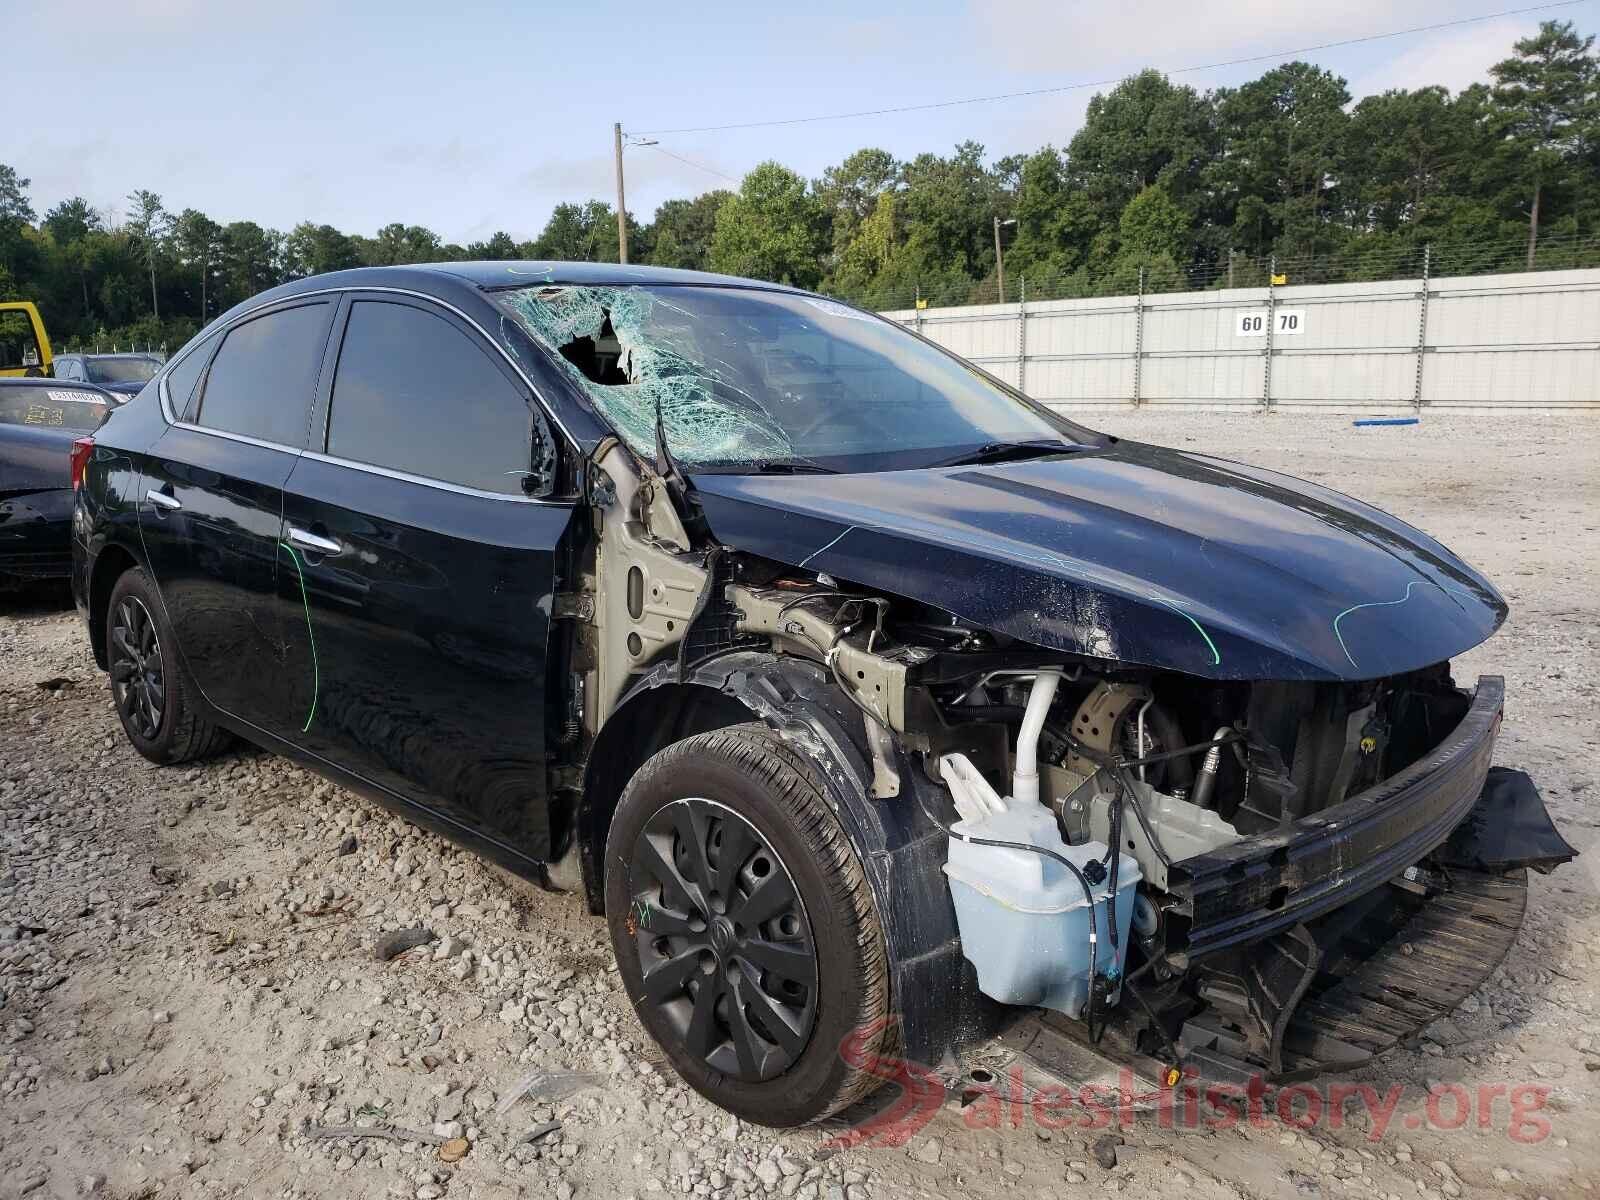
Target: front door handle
{"x": 315, "y": 543}
{"x": 163, "y": 500}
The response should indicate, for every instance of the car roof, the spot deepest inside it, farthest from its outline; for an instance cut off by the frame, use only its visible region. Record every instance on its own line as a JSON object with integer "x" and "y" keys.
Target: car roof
{"x": 495, "y": 275}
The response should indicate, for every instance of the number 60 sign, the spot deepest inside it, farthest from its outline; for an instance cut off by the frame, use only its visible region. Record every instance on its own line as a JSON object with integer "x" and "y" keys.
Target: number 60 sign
{"x": 1286, "y": 322}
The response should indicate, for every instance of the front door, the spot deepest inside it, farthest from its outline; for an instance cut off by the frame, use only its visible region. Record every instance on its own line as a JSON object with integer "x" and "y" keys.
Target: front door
{"x": 420, "y": 575}
{"x": 211, "y": 502}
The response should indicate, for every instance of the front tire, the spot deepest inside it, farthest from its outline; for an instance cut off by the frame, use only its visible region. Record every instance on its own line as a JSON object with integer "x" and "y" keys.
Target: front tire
{"x": 744, "y": 927}
{"x": 148, "y": 683}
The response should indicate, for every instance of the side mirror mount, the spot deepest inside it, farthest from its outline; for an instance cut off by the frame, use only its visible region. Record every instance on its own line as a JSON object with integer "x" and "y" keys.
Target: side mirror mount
{"x": 541, "y": 479}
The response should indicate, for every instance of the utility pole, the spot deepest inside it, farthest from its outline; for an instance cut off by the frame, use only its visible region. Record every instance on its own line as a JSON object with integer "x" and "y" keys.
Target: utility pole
{"x": 999, "y": 261}
{"x": 622, "y": 203}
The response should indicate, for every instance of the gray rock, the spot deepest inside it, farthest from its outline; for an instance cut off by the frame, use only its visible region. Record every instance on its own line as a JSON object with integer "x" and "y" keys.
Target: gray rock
{"x": 1105, "y": 1150}
{"x": 928, "y": 1150}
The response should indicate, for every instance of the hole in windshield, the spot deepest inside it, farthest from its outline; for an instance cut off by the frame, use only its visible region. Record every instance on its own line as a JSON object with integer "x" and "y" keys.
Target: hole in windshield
{"x": 756, "y": 380}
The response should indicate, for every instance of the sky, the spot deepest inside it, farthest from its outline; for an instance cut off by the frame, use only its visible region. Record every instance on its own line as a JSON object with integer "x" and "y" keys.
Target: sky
{"x": 481, "y": 115}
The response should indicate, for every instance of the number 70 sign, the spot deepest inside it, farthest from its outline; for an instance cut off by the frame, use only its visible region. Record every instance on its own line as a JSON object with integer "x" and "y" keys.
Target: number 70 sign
{"x": 1286, "y": 322}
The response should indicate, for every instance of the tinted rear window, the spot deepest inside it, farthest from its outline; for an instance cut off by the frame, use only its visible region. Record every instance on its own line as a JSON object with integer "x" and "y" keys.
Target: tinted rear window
{"x": 132, "y": 369}
{"x": 261, "y": 381}
{"x": 182, "y": 379}
{"x": 57, "y": 408}
{"x": 414, "y": 393}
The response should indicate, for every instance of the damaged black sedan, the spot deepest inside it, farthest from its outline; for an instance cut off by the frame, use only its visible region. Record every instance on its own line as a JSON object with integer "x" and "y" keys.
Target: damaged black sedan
{"x": 870, "y": 701}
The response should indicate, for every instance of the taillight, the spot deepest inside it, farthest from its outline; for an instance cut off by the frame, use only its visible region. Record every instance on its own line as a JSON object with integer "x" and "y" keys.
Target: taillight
{"x": 81, "y": 449}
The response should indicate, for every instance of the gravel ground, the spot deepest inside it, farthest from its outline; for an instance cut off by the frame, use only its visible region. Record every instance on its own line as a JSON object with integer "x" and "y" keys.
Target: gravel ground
{"x": 188, "y": 980}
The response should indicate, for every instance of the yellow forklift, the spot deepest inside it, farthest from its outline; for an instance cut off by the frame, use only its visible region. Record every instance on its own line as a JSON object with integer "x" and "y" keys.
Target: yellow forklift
{"x": 24, "y": 345}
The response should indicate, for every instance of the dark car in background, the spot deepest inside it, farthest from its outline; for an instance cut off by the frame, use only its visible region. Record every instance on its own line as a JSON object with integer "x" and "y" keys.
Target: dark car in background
{"x": 123, "y": 375}
{"x": 712, "y": 598}
{"x": 40, "y": 419}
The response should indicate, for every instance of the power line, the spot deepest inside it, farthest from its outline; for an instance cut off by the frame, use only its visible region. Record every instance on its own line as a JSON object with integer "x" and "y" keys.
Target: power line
{"x": 1073, "y": 87}
{"x": 697, "y": 166}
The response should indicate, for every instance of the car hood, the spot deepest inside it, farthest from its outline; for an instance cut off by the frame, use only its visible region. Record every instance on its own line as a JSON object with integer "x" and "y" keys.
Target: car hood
{"x": 1132, "y": 553}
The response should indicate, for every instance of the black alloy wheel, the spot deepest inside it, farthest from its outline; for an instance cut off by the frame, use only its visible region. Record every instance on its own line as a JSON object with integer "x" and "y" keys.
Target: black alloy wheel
{"x": 138, "y": 678}
{"x": 745, "y": 928}
{"x": 725, "y": 947}
{"x": 148, "y": 683}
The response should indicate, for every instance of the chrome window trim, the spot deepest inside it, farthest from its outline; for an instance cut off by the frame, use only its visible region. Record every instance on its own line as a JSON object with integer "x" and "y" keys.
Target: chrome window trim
{"x": 232, "y": 437}
{"x": 458, "y": 488}
{"x": 166, "y": 401}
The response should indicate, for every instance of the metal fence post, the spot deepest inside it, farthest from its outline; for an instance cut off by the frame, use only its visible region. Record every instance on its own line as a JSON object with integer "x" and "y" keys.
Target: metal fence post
{"x": 1422, "y": 324}
{"x": 1272, "y": 315}
{"x": 1022, "y": 335}
{"x": 1138, "y": 338}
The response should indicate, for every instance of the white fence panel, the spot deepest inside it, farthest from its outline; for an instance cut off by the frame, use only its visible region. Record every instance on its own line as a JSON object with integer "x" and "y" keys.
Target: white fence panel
{"x": 1519, "y": 341}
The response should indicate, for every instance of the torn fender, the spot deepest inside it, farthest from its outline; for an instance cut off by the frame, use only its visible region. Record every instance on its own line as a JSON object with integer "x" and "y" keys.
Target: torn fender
{"x": 934, "y": 990}
{"x": 1131, "y": 553}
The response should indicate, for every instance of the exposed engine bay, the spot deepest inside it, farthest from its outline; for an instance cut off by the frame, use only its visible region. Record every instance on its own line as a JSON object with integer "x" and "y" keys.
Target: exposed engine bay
{"x": 1128, "y": 848}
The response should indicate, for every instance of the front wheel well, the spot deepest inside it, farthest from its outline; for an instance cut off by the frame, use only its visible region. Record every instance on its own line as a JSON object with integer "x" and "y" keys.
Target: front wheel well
{"x": 638, "y": 728}
{"x": 109, "y": 566}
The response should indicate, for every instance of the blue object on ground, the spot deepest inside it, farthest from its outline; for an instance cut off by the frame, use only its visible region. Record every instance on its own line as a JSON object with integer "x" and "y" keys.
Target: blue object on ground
{"x": 1387, "y": 421}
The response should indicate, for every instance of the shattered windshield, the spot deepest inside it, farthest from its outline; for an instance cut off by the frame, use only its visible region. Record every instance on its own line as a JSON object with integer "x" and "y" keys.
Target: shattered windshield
{"x": 748, "y": 379}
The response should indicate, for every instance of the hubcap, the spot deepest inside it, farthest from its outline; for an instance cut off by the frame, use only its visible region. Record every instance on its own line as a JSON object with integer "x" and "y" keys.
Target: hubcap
{"x": 138, "y": 684}
{"x": 724, "y": 943}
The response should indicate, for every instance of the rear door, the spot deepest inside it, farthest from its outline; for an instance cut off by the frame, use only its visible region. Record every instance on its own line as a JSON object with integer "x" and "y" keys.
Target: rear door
{"x": 211, "y": 500}
{"x": 422, "y": 572}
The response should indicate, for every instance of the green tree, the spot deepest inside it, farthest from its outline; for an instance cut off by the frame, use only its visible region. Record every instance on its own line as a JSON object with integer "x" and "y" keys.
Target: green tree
{"x": 198, "y": 242}
{"x": 397, "y": 244}
{"x": 149, "y": 224}
{"x": 849, "y": 192}
{"x": 1154, "y": 227}
{"x": 1056, "y": 220}
{"x": 949, "y": 207}
{"x": 500, "y": 246}
{"x": 1401, "y": 150}
{"x": 1282, "y": 134}
{"x": 682, "y": 230}
{"x": 69, "y": 225}
{"x": 249, "y": 261}
{"x": 1546, "y": 94}
{"x": 772, "y": 229}
{"x": 71, "y": 220}
{"x": 15, "y": 214}
{"x": 314, "y": 249}
{"x": 1146, "y": 130}
{"x": 868, "y": 259}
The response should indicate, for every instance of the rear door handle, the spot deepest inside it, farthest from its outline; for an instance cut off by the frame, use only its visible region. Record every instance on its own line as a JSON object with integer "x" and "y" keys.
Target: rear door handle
{"x": 162, "y": 500}
{"x": 317, "y": 544}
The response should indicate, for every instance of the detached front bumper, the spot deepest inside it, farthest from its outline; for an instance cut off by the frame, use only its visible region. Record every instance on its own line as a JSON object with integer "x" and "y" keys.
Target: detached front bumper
{"x": 1251, "y": 890}
{"x": 1352, "y": 930}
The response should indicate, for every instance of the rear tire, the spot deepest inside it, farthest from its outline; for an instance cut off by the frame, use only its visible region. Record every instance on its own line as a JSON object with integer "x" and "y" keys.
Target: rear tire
{"x": 148, "y": 683}
{"x": 744, "y": 927}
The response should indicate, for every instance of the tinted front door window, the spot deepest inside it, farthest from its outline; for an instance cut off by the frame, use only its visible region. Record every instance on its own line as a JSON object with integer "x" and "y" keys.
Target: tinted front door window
{"x": 414, "y": 393}
{"x": 262, "y": 378}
